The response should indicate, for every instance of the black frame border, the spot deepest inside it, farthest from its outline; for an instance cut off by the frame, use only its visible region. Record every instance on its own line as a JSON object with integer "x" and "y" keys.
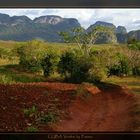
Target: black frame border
{"x": 70, "y": 3}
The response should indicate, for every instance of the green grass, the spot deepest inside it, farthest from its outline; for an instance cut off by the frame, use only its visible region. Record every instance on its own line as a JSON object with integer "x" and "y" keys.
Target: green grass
{"x": 14, "y": 74}
{"x": 8, "y": 44}
{"x": 62, "y": 46}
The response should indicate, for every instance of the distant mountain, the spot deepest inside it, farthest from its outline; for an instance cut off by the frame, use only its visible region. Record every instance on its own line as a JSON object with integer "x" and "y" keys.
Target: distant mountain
{"x": 22, "y": 28}
{"x": 121, "y": 30}
{"x": 48, "y": 20}
{"x": 11, "y": 21}
{"x": 121, "y": 34}
{"x": 101, "y": 23}
{"x": 104, "y": 37}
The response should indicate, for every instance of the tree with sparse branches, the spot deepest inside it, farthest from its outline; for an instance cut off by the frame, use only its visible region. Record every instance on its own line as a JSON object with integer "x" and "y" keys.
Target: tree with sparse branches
{"x": 83, "y": 39}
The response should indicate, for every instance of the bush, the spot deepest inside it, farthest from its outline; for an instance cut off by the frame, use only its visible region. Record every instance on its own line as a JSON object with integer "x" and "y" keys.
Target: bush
{"x": 29, "y": 112}
{"x": 67, "y": 64}
{"x": 79, "y": 68}
{"x": 136, "y": 71}
{"x": 49, "y": 63}
{"x": 116, "y": 61}
{"x": 96, "y": 74}
{"x": 122, "y": 68}
{"x": 50, "y": 117}
{"x": 31, "y": 55}
{"x": 134, "y": 55}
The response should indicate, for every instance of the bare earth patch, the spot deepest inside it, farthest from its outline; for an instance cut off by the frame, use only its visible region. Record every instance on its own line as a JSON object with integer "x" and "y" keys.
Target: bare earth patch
{"x": 96, "y": 110}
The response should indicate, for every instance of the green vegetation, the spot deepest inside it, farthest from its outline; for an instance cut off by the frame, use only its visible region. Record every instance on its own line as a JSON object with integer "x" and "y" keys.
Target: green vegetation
{"x": 14, "y": 73}
{"x": 77, "y": 68}
{"x": 38, "y": 61}
{"x": 49, "y": 118}
{"x": 32, "y": 129}
{"x": 49, "y": 63}
{"x": 31, "y": 54}
{"x": 29, "y": 112}
{"x": 85, "y": 40}
{"x": 77, "y": 60}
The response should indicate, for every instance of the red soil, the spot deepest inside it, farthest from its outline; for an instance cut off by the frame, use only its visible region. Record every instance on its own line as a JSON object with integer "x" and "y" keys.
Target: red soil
{"x": 95, "y": 110}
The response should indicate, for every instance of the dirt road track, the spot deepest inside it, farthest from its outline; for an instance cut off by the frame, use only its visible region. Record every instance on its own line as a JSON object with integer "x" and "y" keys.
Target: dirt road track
{"x": 109, "y": 110}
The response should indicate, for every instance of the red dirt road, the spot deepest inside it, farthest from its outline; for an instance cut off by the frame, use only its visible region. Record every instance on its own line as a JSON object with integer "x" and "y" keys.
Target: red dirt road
{"x": 106, "y": 111}
{"x": 97, "y": 110}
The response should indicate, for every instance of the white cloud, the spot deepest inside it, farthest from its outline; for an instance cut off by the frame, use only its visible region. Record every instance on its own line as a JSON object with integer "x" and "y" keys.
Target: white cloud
{"x": 124, "y": 17}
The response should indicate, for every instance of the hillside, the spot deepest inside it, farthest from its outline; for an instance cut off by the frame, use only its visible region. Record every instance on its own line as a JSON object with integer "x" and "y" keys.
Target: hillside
{"x": 21, "y": 28}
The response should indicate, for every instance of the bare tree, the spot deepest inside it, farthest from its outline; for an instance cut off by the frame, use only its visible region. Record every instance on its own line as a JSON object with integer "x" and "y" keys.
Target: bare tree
{"x": 83, "y": 39}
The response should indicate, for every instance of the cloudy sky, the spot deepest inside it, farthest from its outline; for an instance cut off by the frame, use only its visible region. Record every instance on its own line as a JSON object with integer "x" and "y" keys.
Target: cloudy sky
{"x": 130, "y": 18}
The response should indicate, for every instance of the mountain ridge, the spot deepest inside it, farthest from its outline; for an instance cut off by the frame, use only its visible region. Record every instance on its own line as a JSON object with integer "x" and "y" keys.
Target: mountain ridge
{"x": 23, "y": 28}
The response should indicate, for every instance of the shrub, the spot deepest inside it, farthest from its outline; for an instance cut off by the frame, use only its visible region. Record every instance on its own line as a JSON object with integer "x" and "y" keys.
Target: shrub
{"x": 31, "y": 55}
{"x": 6, "y": 79}
{"x": 29, "y": 112}
{"x": 116, "y": 61}
{"x": 78, "y": 68}
{"x": 96, "y": 74}
{"x": 133, "y": 54}
{"x": 81, "y": 69}
{"x": 122, "y": 68}
{"x": 50, "y": 117}
{"x": 67, "y": 64}
{"x": 136, "y": 71}
{"x": 49, "y": 63}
